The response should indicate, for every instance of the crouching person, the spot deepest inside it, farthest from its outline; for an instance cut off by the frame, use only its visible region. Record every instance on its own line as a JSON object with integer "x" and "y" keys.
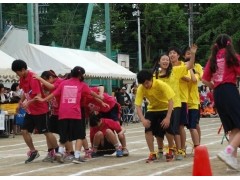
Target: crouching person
{"x": 103, "y": 137}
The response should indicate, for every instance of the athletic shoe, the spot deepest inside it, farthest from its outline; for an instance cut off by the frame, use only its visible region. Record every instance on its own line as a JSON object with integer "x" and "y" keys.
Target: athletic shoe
{"x": 78, "y": 160}
{"x": 125, "y": 152}
{"x": 68, "y": 157}
{"x": 31, "y": 156}
{"x": 160, "y": 155}
{"x": 179, "y": 155}
{"x": 49, "y": 157}
{"x": 229, "y": 160}
{"x": 88, "y": 154}
{"x": 119, "y": 153}
{"x": 96, "y": 154}
{"x": 169, "y": 155}
{"x": 59, "y": 157}
{"x": 152, "y": 157}
{"x": 183, "y": 152}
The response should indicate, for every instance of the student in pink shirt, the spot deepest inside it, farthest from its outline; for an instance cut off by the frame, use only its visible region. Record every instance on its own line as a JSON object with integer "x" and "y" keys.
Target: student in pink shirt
{"x": 71, "y": 125}
{"x": 92, "y": 104}
{"x": 102, "y": 135}
{"x": 36, "y": 112}
{"x": 50, "y": 82}
{"x": 111, "y": 111}
{"x": 220, "y": 74}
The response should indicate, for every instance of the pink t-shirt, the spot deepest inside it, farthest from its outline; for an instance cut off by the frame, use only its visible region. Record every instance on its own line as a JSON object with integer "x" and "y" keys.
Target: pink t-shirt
{"x": 31, "y": 87}
{"x": 70, "y": 92}
{"x": 91, "y": 104}
{"x": 223, "y": 74}
{"x": 56, "y": 99}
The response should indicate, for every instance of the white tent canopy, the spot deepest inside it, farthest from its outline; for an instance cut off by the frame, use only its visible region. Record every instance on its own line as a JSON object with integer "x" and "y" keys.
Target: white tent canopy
{"x": 62, "y": 60}
{"x": 7, "y": 76}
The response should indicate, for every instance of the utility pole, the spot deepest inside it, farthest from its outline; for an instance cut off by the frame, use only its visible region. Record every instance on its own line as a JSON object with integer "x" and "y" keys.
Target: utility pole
{"x": 190, "y": 21}
{"x": 190, "y": 14}
{"x": 137, "y": 13}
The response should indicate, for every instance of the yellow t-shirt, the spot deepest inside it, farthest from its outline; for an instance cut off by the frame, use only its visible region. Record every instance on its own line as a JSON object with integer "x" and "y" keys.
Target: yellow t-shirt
{"x": 199, "y": 69}
{"x": 184, "y": 87}
{"x": 158, "y": 95}
{"x": 173, "y": 81}
{"x": 194, "y": 100}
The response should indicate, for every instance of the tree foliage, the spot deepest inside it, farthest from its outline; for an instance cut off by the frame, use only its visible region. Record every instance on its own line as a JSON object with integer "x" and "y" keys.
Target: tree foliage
{"x": 162, "y": 26}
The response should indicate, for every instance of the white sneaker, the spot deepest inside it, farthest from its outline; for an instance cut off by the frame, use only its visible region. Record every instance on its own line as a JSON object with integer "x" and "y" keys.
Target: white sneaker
{"x": 229, "y": 160}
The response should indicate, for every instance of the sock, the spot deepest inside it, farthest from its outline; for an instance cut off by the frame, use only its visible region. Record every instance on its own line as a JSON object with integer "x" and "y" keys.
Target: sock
{"x": 116, "y": 146}
{"x": 229, "y": 149}
{"x": 61, "y": 150}
{"x": 77, "y": 154}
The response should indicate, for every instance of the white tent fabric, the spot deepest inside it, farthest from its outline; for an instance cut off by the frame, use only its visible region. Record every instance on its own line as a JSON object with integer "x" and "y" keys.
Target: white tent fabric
{"x": 62, "y": 60}
{"x": 7, "y": 76}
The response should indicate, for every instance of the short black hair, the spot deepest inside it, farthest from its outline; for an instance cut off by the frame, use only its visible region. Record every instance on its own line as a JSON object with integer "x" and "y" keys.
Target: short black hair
{"x": 18, "y": 65}
{"x": 143, "y": 76}
{"x": 1, "y": 86}
{"x": 14, "y": 86}
{"x": 176, "y": 49}
{"x": 94, "y": 119}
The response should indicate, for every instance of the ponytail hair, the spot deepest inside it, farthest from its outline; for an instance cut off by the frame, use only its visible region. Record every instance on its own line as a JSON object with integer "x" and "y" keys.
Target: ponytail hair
{"x": 78, "y": 72}
{"x": 223, "y": 41}
{"x": 156, "y": 66}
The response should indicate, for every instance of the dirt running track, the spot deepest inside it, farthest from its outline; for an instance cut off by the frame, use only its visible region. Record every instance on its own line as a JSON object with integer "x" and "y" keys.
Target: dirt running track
{"x": 13, "y": 154}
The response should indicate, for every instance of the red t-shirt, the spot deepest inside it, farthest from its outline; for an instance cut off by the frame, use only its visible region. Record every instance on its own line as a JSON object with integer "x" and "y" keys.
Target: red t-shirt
{"x": 70, "y": 92}
{"x": 223, "y": 74}
{"x": 55, "y": 100}
{"x": 31, "y": 87}
{"x": 91, "y": 104}
{"x": 106, "y": 124}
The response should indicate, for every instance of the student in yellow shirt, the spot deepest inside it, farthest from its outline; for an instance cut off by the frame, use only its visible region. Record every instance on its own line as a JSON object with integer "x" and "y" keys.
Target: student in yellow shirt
{"x": 174, "y": 54}
{"x": 157, "y": 118}
{"x": 198, "y": 70}
{"x": 164, "y": 71}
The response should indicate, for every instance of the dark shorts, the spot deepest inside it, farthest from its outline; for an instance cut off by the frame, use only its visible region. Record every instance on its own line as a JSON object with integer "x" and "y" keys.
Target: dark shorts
{"x": 193, "y": 115}
{"x": 175, "y": 120}
{"x": 184, "y": 114}
{"x": 53, "y": 124}
{"x": 71, "y": 129}
{"x": 156, "y": 117}
{"x": 112, "y": 113}
{"x": 38, "y": 122}
{"x": 107, "y": 148}
{"x": 227, "y": 101}
{"x": 199, "y": 114}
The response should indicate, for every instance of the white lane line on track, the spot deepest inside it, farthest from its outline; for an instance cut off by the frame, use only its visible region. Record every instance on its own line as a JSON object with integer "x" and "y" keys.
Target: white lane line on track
{"x": 42, "y": 169}
{"x": 106, "y": 167}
